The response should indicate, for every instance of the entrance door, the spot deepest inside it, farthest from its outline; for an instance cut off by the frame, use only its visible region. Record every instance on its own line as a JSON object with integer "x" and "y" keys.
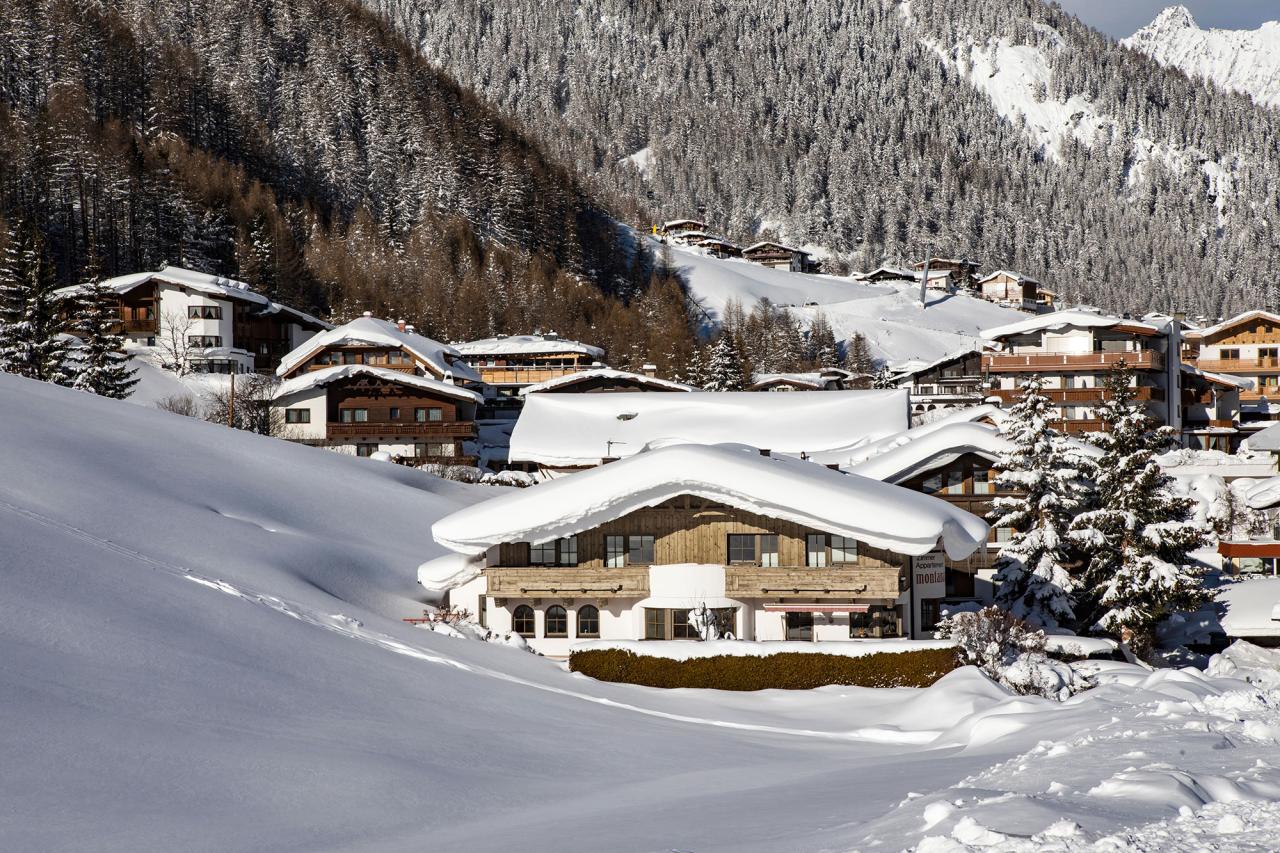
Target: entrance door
{"x": 799, "y": 626}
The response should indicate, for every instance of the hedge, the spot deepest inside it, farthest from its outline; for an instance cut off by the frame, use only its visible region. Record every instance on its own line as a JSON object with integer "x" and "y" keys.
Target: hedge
{"x": 784, "y": 671}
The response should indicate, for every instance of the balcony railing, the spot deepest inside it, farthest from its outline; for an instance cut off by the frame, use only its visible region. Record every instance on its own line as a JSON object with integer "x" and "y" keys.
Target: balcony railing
{"x": 524, "y": 375}
{"x": 1074, "y": 427}
{"x": 567, "y": 582}
{"x": 1058, "y": 362}
{"x": 1080, "y": 396}
{"x": 1239, "y": 365}
{"x": 134, "y": 327}
{"x": 449, "y": 429}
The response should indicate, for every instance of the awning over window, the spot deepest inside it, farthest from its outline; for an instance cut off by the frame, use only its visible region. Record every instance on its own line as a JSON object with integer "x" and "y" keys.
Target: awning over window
{"x": 817, "y": 608}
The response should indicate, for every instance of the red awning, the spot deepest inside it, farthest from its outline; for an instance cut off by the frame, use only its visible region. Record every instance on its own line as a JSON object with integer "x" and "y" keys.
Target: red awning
{"x": 817, "y": 608}
{"x": 1249, "y": 549}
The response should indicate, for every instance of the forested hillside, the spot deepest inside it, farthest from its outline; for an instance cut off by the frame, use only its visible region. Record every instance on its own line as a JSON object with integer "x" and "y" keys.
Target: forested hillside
{"x": 305, "y": 147}
{"x": 1002, "y": 130}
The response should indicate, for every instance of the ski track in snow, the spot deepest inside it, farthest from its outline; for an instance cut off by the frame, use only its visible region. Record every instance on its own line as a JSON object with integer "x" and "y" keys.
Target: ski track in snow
{"x": 354, "y": 629}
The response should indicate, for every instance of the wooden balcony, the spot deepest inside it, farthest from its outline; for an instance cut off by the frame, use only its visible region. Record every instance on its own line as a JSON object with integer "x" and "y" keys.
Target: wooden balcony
{"x": 567, "y": 582}
{"x": 525, "y": 375}
{"x": 403, "y": 368}
{"x": 1239, "y": 365}
{"x": 139, "y": 327}
{"x": 1271, "y": 395}
{"x": 448, "y": 429}
{"x": 826, "y": 583}
{"x": 1070, "y": 362}
{"x": 1076, "y": 427}
{"x": 1080, "y": 396}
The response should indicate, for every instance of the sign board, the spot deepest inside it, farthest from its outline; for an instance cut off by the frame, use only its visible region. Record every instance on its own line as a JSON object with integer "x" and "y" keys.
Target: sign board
{"x": 929, "y": 575}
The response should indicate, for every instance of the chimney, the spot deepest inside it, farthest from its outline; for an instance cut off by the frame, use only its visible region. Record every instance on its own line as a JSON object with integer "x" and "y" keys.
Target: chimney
{"x": 410, "y": 329}
{"x": 650, "y": 370}
{"x": 400, "y": 325}
{"x": 367, "y": 314}
{"x": 764, "y": 451}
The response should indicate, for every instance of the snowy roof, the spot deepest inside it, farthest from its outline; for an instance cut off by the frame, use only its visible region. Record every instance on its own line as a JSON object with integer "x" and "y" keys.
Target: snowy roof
{"x": 1210, "y": 331}
{"x": 1253, "y": 608}
{"x": 718, "y": 241}
{"x": 1016, "y": 276}
{"x": 1218, "y": 378}
{"x": 1267, "y": 439}
{"x": 438, "y": 357}
{"x": 1264, "y": 495}
{"x": 570, "y": 379}
{"x": 526, "y": 345}
{"x": 897, "y": 272}
{"x": 763, "y": 244}
{"x": 805, "y": 493}
{"x": 911, "y": 368}
{"x": 582, "y": 429}
{"x": 930, "y": 448}
{"x": 1078, "y": 317}
{"x": 675, "y": 223}
{"x": 967, "y": 415}
{"x": 320, "y": 378}
{"x": 206, "y": 283}
{"x": 810, "y": 380}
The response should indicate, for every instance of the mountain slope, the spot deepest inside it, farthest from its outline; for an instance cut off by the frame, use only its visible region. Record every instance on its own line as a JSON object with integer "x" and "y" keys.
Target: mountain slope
{"x": 864, "y": 125}
{"x": 1246, "y": 61}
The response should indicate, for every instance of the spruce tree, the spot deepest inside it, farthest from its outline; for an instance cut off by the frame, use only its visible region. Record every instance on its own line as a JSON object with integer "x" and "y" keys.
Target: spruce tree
{"x": 30, "y": 312}
{"x": 724, "y": 370}
{"x": 884, "y": 378}
{"x": 103, "y": 366}
{"x": 1033, "y": 569}
{"x": 1139, "y": 535}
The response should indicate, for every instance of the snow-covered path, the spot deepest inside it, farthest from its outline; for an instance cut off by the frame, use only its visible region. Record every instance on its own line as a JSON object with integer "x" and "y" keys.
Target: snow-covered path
{"x": 200, "y": 649}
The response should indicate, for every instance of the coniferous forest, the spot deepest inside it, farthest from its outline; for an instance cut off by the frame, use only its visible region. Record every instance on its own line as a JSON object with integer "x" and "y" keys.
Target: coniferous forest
{"x": 301, "y": 145}
{"x": 855, "y": 124}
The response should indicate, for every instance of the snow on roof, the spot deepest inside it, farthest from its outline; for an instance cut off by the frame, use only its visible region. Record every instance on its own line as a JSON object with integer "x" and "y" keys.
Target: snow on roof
{"x": 1267, "y": 439}
{"x": 718, "y": 241}
{"x": 911, "y": 368}
{"x": 766, "y": 243}
{"x": 1218, "y": 378}
{"x": 881, "y": 515}
{"x": 967, "y": 415}
{"x": 1253, "y": 608}
{"x": 371, "y": 330}
{"x": 811, "y": 380}
{"x": 897, "y": 272}
{"x": 1016, "y": 276}
{"x": 1264, "y": 495}
{"x": 1210, "y": 331}
{"x": 927, "y": 449}
{"x": 560, "y": 382}
{"x": 526, "y": 345}
{"x": 675, "y": 223}
{"x": 582, "y": 429}
{"x": 319, "y": 378}
{"x": 1080, "y": 317}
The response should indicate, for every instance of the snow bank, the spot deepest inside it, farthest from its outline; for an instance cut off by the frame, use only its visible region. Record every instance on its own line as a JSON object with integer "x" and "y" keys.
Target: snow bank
{"x": 805, "y": 493}
{"x": 1253, "y": 608}
{"x": 688, "y": 649}
{"x": 583, "y": 429}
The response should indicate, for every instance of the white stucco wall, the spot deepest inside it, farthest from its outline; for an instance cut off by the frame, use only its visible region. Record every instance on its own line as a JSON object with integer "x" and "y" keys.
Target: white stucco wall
{"x": 313, "y": 400}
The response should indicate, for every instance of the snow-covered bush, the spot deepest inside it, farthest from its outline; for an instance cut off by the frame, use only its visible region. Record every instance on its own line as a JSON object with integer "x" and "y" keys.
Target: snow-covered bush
{"x": 1009, "y": 651}
{"x": 703, "y": 620}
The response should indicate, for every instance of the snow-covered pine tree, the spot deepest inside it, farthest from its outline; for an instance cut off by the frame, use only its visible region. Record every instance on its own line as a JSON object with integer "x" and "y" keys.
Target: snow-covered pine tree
{"x": 30, "y": 321}
{"x": 883, "y": 378}
{"x": 859, "y": 358}
{"x": 723, "y": 370}
{"x": 1033, "y": 569}
{"x": 1138, "y": 536}
{"x": 103, "y": 366}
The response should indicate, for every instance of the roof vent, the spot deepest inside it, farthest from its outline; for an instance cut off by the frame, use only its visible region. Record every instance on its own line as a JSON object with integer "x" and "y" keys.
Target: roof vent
{"x": 627, "y": 416}
{"x": 764, "y": 451}
{"x": 448, "y": 376}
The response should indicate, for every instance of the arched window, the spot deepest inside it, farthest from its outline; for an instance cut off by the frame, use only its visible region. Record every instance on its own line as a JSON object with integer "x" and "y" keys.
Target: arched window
{"x": 522, "y": 621}
{"x": 588, "y": 621}
{"x": 557, "y": 622}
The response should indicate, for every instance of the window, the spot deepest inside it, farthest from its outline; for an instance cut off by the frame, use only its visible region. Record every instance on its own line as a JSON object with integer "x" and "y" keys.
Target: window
{"x": 557, "y": 624}
{"x": 353, "y": 416}
{"x": 366, "y": 449}
{"x": 816, "y": 550}
{"x": 542, "y": 554}
{"x": 204, "y": 312}
{"x": 933, "y": 484}
{"x": 984, "y": 481}
{"x": 432, "y": 414}
{"x": 435, "y": 448}
{"x": 876, "y": 622}
{"x": 1004, "y": 534}
{"x": 397, "y": 357}
{"x": 680, "y": 627}
{"x": 393, "y": 413}
{"x": 640, "y": 550}
{"x": 769, "y": 549}
{"x": 844, "y": 549}
{"x": 799, "y": 626}
{"x": 655, "y": 623}
{"x": 954, "y": 483}
{"x": 297, "y": 416}
{"x": 615, "y": 551}
{"x": 204, "y": 341}
{"x": 568, "y": 551}
{"x": 522, "y": 621}
{"x": 742, "y": 548}
{"x": 588, "y": 621}
{"x": 1229, "y": 353}
{"x": 930, "y": 613}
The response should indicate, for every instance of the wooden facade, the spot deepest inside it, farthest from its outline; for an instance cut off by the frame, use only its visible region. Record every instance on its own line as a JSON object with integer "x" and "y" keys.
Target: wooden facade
{"x": 691, "y": 530}
{"x": 400, "y": 413}
{"x": 388, "y": 358}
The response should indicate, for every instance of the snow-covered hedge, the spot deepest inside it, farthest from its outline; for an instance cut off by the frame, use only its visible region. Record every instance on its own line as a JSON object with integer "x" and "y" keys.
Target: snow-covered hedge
{"x": 687, "y": 649}
{"x": 1011, "y": 652}
{"x": 785, "y": 671}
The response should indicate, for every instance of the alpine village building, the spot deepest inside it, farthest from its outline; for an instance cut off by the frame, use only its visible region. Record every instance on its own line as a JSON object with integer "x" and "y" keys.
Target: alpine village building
{"x": 1245, "y": 348}
{"x": 212, "y": 323}
{"x": 373, "y": 386}
{"x": 506, "y": 364}
{"x": 777, "y": 548}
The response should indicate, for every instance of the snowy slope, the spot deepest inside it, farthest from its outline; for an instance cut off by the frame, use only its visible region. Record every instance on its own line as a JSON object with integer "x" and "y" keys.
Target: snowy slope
{"x": 1246, "y": 61}
{"x": 200, "y": 650}
{"x": 895, "y": 325}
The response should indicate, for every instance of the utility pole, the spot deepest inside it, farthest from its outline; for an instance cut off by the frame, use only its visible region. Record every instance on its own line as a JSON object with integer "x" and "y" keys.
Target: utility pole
{"x": 924, "y": 282}
{"x": 231, "y": 400}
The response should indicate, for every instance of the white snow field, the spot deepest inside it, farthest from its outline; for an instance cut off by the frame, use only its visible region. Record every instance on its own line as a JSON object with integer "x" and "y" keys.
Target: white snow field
{"x": 888, "y": 314}
{"x": 201, "y": 650}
